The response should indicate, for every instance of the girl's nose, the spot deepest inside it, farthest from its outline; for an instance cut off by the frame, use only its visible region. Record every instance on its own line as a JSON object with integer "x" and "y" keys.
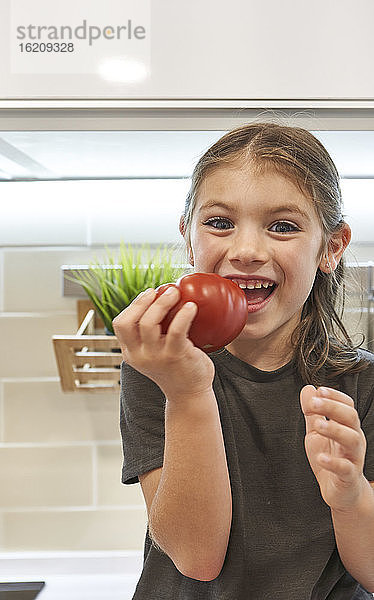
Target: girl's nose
{"x": 247, "y": 248}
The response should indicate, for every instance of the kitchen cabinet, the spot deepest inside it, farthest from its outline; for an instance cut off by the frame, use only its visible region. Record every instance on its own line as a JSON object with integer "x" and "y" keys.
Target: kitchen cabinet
{"x": 191, "y": 50}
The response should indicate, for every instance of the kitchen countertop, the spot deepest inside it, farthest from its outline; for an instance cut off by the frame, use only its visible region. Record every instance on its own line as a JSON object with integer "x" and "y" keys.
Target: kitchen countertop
{"x": 75, "y": 575}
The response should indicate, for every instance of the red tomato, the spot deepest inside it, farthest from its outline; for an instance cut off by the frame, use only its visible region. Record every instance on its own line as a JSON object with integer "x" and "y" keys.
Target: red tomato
{"x": 222, "y": 309}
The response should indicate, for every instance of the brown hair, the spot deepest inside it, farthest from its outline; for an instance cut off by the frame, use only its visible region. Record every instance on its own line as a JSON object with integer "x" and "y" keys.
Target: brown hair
{"x": 323, "y": 350}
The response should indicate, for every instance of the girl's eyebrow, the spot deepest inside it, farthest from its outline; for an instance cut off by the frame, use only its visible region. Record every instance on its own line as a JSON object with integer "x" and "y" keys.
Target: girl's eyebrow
{"x": 286, "y": 208}
{"x": 214, "y": 204}
{"x": 290, "y": 208}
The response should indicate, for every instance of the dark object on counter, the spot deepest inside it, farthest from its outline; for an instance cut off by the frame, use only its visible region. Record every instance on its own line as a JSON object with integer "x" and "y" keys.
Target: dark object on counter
{"x": 20, "y": 590}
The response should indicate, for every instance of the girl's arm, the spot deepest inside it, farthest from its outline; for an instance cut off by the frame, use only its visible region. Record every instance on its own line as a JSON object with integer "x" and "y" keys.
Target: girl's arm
{"x": 190, "y": 510}
{"x": 336, "y": 452}
{"x": 190, "y": 516}
{"x": 354, "y": 534}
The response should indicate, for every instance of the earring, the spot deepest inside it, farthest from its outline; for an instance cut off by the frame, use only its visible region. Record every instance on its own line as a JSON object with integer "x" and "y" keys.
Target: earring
{"x": 328, "y": 265}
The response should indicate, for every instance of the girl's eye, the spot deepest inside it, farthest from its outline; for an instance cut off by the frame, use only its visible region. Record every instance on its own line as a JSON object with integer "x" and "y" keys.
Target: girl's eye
{"x": 284, "y": 227}
{"x": 219, "y": 223}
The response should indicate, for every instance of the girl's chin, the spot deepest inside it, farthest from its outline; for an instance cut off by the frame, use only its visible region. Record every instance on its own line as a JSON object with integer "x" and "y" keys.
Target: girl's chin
{"x": 260, "y": 333}
{"x": 248, "y": 335}
{"x": 253, "y": 331}
{"x": 267, "y": 334}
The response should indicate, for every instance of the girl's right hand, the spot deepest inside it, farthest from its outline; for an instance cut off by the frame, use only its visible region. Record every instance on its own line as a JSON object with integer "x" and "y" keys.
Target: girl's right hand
{"x": 179, "y": 368}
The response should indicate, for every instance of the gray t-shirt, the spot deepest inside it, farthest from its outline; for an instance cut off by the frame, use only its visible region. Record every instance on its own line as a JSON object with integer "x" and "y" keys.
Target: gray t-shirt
{"x": 282, "y": 544}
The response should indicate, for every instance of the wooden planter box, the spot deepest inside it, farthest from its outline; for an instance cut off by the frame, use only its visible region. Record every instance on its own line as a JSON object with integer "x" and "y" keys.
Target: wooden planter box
{"x": 88, "y": 360}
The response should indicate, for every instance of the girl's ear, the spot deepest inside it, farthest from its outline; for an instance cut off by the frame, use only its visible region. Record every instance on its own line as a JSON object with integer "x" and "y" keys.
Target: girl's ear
{"x": 181, "y": 225}
{"x": 182, "y": 230}
{"x": 337, "y": 244}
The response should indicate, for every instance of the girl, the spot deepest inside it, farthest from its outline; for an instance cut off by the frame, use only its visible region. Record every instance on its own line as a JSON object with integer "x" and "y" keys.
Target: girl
{"x": 255, "y": 461}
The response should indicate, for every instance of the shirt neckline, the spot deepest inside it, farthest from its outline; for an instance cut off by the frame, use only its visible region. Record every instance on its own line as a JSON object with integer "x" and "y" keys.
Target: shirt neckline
{"x": 244, "y": 369}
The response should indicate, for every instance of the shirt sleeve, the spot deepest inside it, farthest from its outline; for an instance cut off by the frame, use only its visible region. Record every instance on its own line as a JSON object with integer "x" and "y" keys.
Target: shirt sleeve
{"x": 366, "y": 414}
{"x": 142, "y": 424}
{"x": 367, "y": 425}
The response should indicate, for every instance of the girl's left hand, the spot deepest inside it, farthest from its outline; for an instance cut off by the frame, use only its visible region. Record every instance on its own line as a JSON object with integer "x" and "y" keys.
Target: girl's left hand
{"x": 336, "y": 448}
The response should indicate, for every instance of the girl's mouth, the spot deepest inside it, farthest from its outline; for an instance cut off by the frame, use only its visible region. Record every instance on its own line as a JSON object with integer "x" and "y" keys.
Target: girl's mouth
{"x": 258, "y": 294}
{"x": 257, "y": 298}
{"x": 257, "y": 291}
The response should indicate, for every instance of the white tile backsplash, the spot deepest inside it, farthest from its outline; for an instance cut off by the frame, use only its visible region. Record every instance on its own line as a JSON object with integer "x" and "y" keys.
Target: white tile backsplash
{"x": 52, "y": 416}
{"x": 45, "y": 476}
{"x": 110, "y": 489}
{"x": 75, "y": 530}
{"x": 26, "y": 340}
{"x": 33, "y": 280}
{"x": 1, "y": 280}
{"x": 360, "y": 252}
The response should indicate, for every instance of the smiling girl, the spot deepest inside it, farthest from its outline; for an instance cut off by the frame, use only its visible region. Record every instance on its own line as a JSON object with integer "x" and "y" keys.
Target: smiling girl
{"x": 255, "y": 461}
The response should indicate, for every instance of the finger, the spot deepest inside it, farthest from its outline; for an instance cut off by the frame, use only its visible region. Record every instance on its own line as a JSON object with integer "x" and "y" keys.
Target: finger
{"x": 352, "y": 442}
{"x": 150, "y": 322}
{"x": 306, "y": 396}
{"x": 136, "y": 309}
{"x": 179, "y": 328}
{"x": 338, "y": 411}
{"x": 125, "y": 324}
{"x": 307, "y": 392}
{"x": 342, "y": 467}
{"x": 326, "y": 392}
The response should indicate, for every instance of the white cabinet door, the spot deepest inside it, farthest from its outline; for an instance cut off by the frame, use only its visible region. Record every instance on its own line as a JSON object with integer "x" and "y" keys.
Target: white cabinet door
{"x": 188, "y": 49}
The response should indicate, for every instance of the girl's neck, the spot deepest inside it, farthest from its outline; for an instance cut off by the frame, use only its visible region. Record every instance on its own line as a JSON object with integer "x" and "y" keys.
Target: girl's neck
{"x": 261, "y": 355}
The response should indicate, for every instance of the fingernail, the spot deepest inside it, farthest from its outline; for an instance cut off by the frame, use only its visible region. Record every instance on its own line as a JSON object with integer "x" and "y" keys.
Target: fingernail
{"x": 190, "y": 304}
{"x": 323, "y": 391}
{"x": 317, "y": 402}
{"x": 324, "y": 458}
{"x": 170, "y": 290}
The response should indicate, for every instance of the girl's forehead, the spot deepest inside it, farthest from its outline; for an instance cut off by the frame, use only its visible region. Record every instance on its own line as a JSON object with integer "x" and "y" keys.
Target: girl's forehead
{"x": 241, "y": 185}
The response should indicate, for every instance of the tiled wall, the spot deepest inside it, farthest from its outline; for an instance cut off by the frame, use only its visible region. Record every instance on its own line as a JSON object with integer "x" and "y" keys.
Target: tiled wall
{"x": 60, "y": 454}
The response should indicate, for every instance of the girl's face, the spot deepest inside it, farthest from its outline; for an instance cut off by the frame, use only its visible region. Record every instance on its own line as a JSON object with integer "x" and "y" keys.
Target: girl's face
{"x": 258, "y": 228}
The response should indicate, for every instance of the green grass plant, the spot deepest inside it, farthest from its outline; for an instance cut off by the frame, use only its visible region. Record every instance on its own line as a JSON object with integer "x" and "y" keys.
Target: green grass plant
{"x": 113, "y": 282}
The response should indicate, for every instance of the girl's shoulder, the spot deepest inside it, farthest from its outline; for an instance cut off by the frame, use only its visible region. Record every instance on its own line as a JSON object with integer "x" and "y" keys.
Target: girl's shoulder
{"x": 357, "y": 381}
{"x": 367, "y": 356}
{"x": 365, "y": 381}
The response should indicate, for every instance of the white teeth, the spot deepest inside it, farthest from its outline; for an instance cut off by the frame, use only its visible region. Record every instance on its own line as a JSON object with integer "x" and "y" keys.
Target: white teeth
{"x": 251, "y": 285}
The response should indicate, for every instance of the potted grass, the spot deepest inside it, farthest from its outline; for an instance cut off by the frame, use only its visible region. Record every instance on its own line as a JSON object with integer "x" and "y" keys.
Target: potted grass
{"x": 89, "y": 360}
{"x": 113, "y": 283}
